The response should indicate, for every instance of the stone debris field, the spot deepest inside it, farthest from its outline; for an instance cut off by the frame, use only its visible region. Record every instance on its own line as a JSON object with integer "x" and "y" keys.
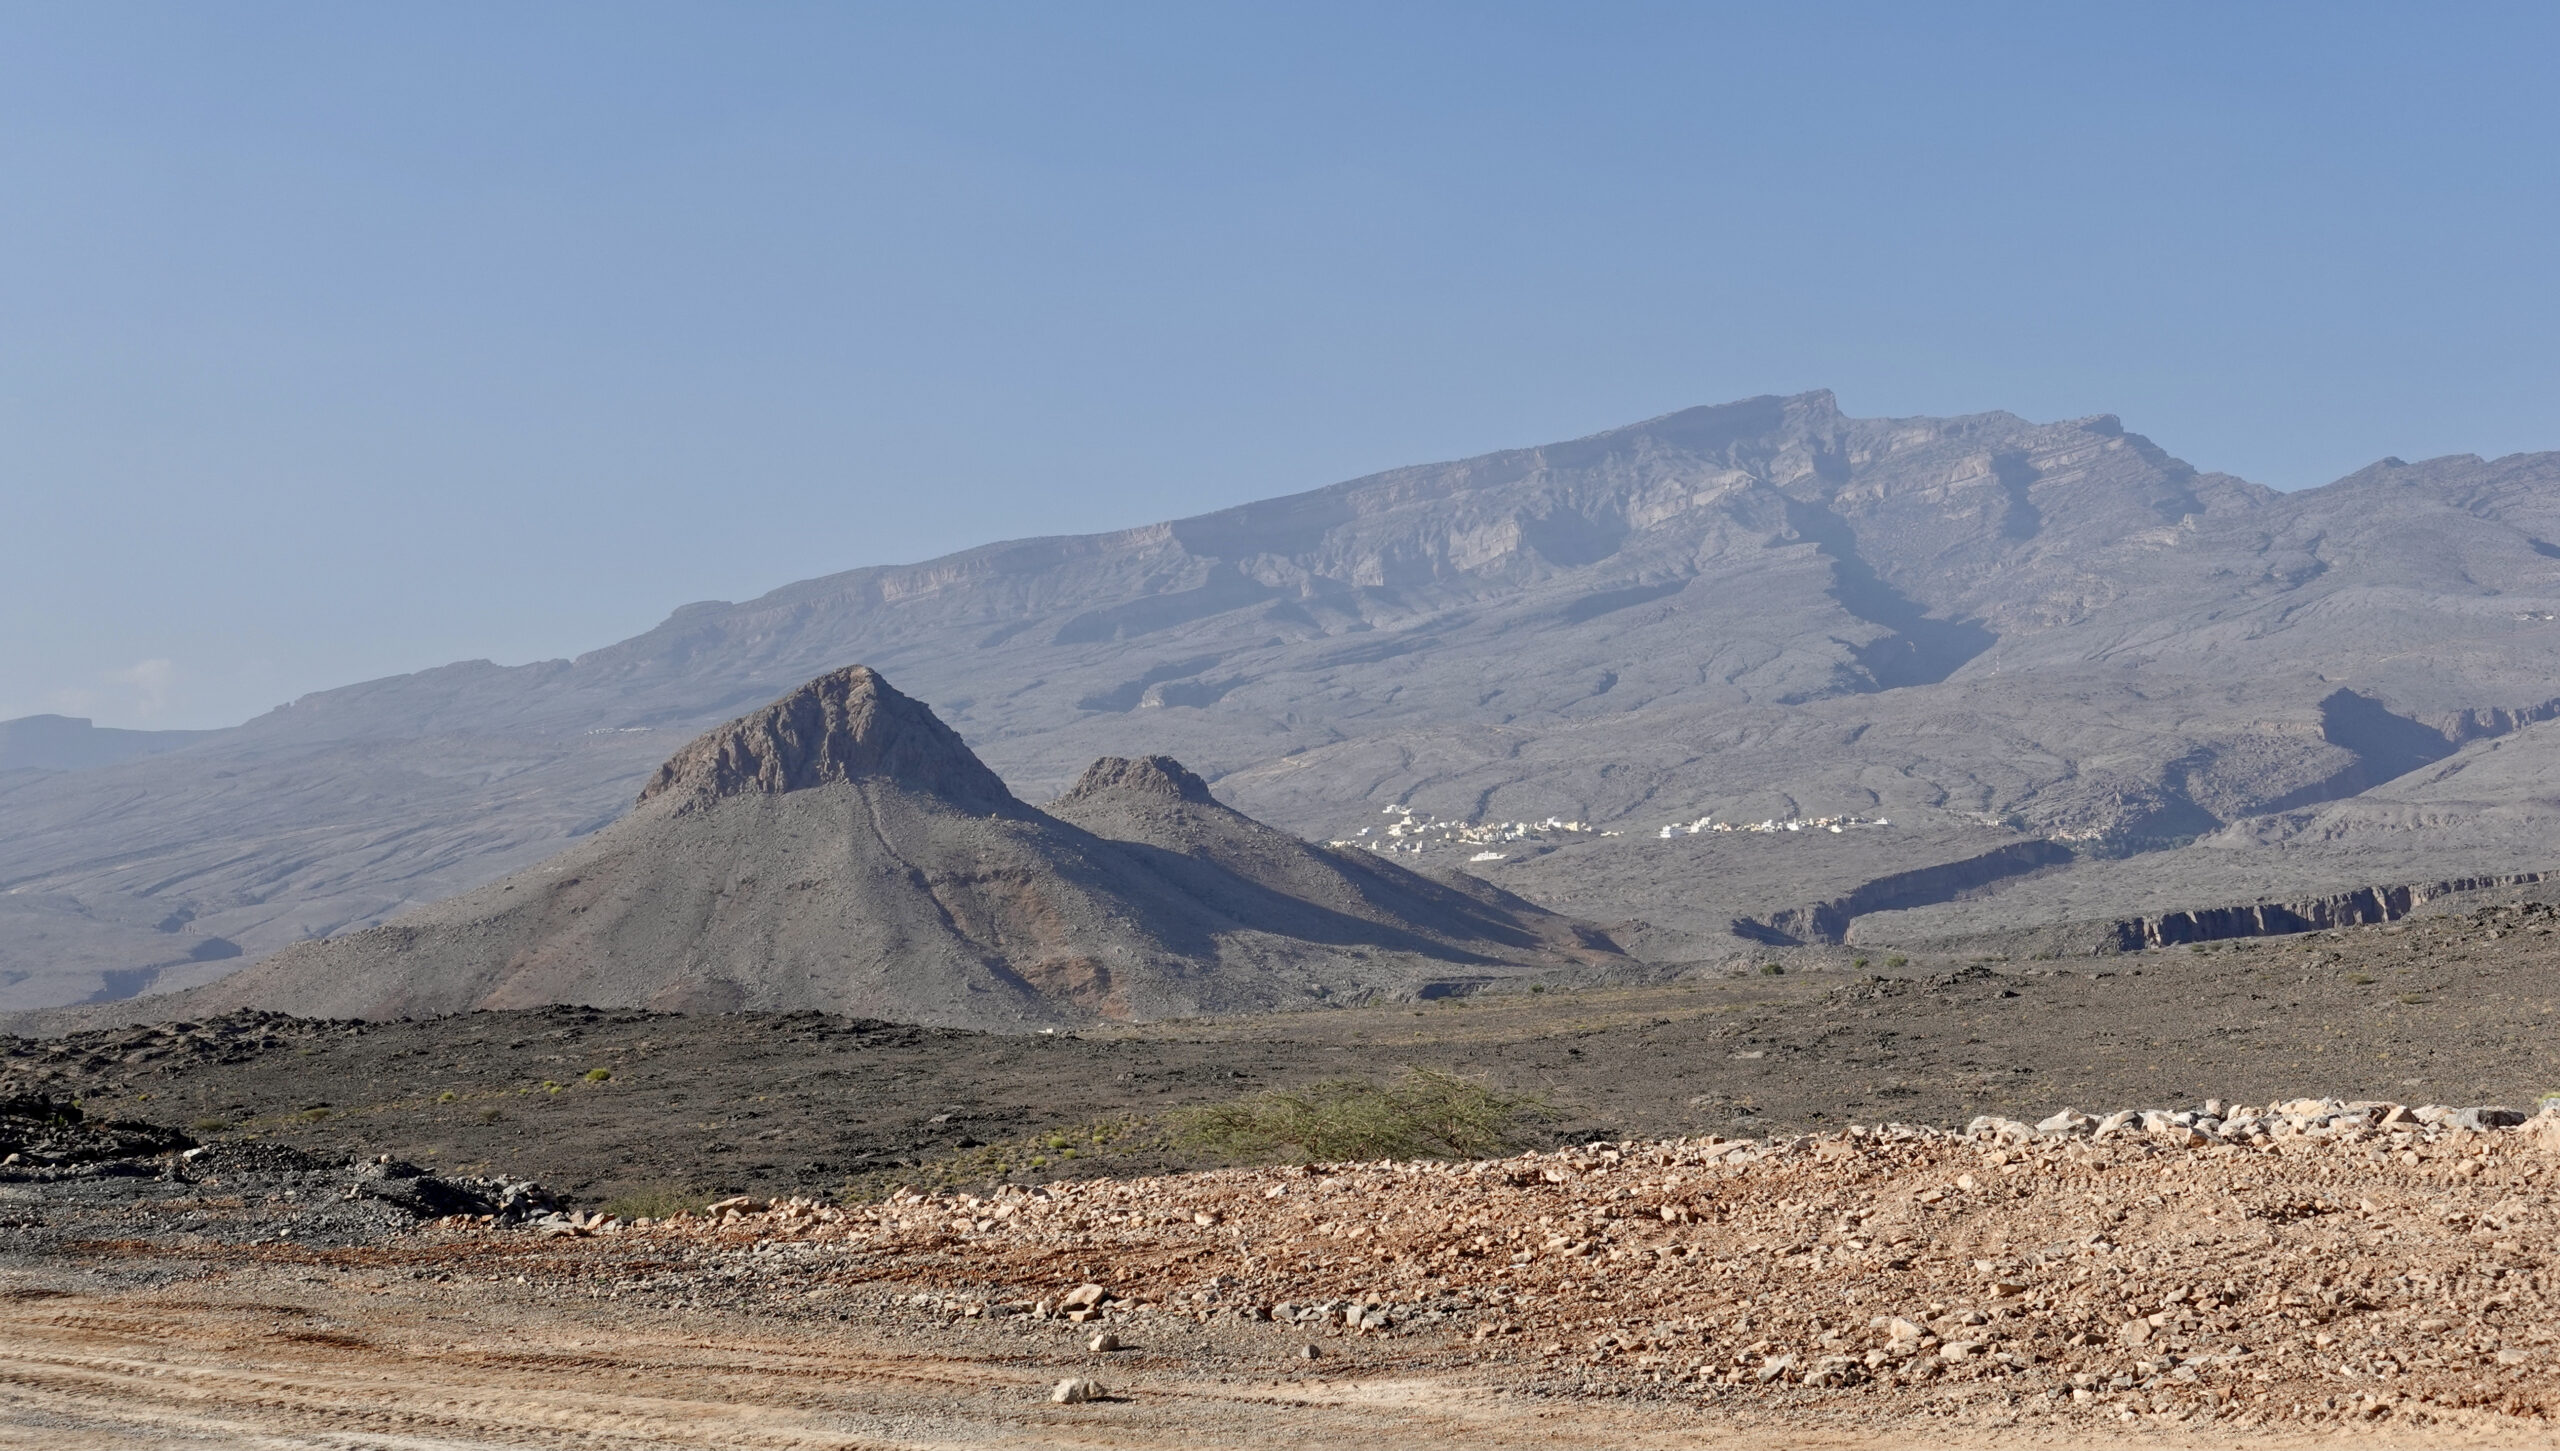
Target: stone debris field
{"x": 2309, "y": 1262}
{"x": 2279, "y": 1274}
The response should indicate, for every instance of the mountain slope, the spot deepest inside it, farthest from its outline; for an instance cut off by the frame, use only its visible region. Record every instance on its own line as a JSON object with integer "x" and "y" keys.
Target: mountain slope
{"x": 1762, "y": 609}
{"x": 842, "y": 850}
{"x": 72, "y": 743}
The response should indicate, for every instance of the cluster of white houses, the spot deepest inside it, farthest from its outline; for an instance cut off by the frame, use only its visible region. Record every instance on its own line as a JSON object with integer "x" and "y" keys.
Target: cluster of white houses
{"x": 1833, "y": 824}
{"x": 1413, "y": 832}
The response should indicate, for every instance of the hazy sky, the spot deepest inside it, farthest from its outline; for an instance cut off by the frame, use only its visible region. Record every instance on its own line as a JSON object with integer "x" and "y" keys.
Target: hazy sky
{"x": 338, "y": 340}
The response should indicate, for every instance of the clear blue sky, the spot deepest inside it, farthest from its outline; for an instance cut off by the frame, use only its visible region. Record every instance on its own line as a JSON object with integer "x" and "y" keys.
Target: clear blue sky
{"x": 338, "y": 340}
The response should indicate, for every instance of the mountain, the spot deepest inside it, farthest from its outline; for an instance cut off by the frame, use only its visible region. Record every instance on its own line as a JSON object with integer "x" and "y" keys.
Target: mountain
{"x": 1762, "y": 610}
{"x": 842, "y": 850}
{"x": 72, "y": 743}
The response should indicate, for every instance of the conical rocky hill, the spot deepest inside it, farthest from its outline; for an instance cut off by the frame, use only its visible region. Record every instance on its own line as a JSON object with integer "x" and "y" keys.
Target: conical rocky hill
{"x": 1253, "y": 873}
{"x": 841, "y": 849}
{"x": 846, "y": 726}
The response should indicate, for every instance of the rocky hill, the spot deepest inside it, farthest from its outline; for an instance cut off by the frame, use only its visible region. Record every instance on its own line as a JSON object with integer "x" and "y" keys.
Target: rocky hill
{"x": 841, "y": 850}
{"x": 1763, "y": 611}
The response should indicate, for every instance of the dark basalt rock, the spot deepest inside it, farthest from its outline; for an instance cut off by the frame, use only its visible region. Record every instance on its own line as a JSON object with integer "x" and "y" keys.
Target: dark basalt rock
{"x": 42, "y": 1138}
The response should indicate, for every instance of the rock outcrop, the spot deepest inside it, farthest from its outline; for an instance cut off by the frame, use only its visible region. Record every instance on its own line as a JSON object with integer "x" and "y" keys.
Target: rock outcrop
{"x": 2359, "y": 907}
{"x": 846, "y": 726}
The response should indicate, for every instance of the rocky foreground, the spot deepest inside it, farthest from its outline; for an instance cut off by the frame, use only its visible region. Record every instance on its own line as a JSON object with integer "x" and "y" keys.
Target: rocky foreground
{"x": 2283, "y": 1274}
{"x": 2252, "y": 1269}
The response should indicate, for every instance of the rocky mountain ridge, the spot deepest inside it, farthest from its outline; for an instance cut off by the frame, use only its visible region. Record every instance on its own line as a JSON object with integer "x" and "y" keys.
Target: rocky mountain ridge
{"x": 1762, "y": 609}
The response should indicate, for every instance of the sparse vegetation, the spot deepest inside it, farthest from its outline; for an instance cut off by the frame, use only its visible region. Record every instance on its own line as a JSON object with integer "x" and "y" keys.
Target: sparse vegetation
{"x": 1424, "y": 1114}
{"x": 656, "y": 1201}
{"x": 1897, "y": 960}
{"x": 598, "y": 1075}
{"x": 1773, "y": 969}
{"x": 2363, "y": 980}
{"x": 210, "y": 1125}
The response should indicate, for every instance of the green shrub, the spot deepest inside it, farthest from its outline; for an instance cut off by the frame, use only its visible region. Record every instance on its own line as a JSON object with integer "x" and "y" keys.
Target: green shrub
{"x": 210, "y": 1125}
{"x": 656, "y": 1201}
{"x": 1897, "y": 960}
{"x": 1773, "y": 969}
{"x": 448, "y": 1096}
{"x": 1857, "y": 962}
{"x": 598, "y": 1075}
{"x": 1424, "y": 1114}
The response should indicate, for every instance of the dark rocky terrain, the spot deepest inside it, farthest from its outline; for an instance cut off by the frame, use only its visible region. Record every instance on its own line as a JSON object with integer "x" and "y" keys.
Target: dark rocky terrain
{"x": 2455, "y": 1008}
{"x": 1767, "y": 610}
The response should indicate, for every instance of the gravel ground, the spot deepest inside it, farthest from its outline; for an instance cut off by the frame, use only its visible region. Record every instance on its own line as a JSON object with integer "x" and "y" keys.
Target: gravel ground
{"x": 2277, "y": 1276}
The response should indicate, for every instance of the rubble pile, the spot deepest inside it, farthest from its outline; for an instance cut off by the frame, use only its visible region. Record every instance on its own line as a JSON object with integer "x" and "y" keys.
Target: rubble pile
{"x": 2307, "y": 1262}
{"x": 61, "y": 1168}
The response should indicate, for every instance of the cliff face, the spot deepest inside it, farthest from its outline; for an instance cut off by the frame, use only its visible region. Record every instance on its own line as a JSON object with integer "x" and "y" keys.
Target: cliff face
{"x": 2358, "y": 907}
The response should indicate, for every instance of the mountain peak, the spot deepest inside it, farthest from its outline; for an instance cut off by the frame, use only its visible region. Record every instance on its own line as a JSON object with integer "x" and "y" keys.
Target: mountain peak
{"x": 847, "y": 725}
{"x": 1146, "y": 776}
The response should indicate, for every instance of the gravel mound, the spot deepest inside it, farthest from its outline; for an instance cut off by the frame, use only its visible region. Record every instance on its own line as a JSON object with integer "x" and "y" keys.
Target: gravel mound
{"x": 2311, "y": 1262}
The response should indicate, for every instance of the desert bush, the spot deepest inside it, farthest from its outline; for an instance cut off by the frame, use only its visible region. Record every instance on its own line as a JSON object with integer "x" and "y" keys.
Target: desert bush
{"x": 598, "y": 1075}
{"x": 656, "y": 1201}
{"x": 1423, "y": 1114}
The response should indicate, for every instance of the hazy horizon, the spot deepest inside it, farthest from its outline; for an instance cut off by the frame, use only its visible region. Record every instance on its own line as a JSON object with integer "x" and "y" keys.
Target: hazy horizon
{"x": 347, "y": 343}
